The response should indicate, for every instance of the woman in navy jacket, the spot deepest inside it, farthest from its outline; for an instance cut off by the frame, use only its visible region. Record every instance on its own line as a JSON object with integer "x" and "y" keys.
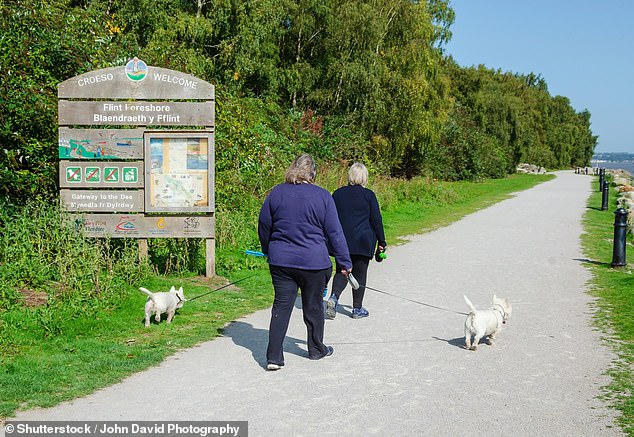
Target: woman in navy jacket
{"x": 362, "y": 224}
{"x": 299, "y": 229}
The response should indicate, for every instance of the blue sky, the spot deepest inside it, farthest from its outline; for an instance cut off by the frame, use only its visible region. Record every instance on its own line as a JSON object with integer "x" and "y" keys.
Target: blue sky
{"x": 583, "y": 49}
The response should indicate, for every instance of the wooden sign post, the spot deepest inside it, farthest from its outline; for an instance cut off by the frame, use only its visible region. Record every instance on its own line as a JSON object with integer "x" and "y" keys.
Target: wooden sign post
{"x": 136, "y": 149}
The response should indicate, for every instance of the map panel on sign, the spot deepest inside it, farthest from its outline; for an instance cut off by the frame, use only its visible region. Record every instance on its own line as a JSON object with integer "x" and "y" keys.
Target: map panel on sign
{"x": 175, "y": 190}
{"x": 178, "y": 173}
{"x": 96, "y": 144}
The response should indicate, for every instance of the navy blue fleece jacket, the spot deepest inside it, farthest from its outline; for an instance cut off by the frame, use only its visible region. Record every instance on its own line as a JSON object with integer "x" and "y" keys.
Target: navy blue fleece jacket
{"x": 360, "y": 218}
{"x": 299, "y": 227}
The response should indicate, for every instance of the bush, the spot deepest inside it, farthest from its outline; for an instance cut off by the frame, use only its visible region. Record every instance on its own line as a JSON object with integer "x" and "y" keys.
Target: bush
{"x": 42, "y": 251}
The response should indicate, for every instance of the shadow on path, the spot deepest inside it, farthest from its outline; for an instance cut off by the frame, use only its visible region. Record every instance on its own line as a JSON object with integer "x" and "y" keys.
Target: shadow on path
{"x": 457, "y": 342}
{"x": 256, "y": 340}
{"x": 590, "y": 261}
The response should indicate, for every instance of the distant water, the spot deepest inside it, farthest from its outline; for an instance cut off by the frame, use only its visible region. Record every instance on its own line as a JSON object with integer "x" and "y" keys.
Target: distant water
{"x": 622, "y": 165}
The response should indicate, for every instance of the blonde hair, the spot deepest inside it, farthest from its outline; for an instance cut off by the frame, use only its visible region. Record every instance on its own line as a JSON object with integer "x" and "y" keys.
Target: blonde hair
{"x": 302, "y": 169}
{"x": 358, "y": 174}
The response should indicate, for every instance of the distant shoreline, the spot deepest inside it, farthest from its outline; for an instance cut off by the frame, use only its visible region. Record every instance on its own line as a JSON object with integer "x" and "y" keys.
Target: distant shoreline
{"x": 627, "y": 166}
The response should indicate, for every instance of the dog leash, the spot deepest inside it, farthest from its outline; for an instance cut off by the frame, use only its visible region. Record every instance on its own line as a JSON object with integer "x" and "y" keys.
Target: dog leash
{"x": 248, "y": 252}
{"x": 355, "y": 284}
{"x": 224, "y": 286}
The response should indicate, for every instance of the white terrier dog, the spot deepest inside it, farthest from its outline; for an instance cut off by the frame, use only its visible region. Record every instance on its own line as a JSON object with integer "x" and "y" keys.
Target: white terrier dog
{"x": 482, "y": 323}
{"x": 164, "y": 302}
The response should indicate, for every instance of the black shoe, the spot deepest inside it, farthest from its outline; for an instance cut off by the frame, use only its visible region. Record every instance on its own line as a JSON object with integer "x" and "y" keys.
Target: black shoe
{"x": 329, "y": 352}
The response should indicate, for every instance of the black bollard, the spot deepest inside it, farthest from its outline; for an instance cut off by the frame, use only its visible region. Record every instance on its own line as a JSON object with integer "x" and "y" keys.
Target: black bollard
{"x": 620, "y": 234}
{"x": 604, "y": 197}
{"x": 601, "y": 178}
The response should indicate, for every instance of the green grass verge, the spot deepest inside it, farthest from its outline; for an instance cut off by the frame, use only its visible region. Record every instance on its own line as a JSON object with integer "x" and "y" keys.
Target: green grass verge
{"x": 614, "y": 288}
{"x": 40, "y": 368}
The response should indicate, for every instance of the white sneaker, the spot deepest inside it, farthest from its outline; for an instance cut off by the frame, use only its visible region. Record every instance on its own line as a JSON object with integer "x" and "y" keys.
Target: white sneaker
{"x": 331, "y": 308}
{"x": 271, "y": 366}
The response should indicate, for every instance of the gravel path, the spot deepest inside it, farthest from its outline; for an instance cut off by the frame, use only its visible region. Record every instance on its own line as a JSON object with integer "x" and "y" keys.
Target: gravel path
{"x": 403, "y": 370}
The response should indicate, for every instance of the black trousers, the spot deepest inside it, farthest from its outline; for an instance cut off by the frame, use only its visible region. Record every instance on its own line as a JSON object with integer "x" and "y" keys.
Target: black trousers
{"x": 360, "y": 272}
{"x": 286, "y": 282}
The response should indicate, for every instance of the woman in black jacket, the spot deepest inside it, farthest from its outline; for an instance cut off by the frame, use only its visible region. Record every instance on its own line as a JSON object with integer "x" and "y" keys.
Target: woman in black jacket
{"x": 362, "y": 224}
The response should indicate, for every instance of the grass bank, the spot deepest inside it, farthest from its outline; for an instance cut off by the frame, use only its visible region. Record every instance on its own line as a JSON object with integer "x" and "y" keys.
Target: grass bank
{"x": 48, "y": 356}
{"x": 614, "y": 288}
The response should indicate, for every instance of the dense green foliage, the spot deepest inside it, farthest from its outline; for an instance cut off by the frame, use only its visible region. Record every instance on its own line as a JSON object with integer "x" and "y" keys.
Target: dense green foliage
{"x": 36, "y": 54}
{"x": 512, "y": 119}
{"x": 39, "y": 254}
{"x": 368, "y": 80}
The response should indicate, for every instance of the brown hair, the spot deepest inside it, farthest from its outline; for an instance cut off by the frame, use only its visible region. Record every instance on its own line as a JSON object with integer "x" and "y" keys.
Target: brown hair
{"x": 302, "y": 169}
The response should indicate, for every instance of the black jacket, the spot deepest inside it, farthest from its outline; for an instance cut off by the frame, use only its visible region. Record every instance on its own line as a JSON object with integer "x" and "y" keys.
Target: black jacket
{"x": 360, "y": 218}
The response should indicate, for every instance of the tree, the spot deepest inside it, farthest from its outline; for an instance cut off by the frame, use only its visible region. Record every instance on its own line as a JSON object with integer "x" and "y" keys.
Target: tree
{"x": 519, "y": 116}
{"x": 34, "y": 58}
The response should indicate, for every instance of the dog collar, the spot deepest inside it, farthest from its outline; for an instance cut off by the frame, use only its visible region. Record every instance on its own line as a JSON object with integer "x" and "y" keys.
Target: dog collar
{"x": 501, "y": 309}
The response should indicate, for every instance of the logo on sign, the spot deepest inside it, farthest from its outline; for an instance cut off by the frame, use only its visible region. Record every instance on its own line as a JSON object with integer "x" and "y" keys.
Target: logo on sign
{"x": 191, "y": 224}
{"x": 136, "y": 70}
{"x": 126, "y": 224}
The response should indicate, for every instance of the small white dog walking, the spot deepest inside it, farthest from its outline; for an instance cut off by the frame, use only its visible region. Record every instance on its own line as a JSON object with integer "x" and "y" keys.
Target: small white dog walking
{"x": 480, "y": 323}
{"x": 163, "y": 302}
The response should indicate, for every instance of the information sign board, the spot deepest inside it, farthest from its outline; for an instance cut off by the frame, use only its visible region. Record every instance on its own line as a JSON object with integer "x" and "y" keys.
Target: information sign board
{"x": 125, "y": 167}
{"x": 179, "y": 170}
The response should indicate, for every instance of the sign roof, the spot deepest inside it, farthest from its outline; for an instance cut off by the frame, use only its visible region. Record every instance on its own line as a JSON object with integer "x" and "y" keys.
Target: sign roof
{"x": 146, "y": 82}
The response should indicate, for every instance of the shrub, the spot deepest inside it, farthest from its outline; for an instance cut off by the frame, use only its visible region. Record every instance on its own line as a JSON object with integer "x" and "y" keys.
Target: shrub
{"x": 42, "y": 251}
